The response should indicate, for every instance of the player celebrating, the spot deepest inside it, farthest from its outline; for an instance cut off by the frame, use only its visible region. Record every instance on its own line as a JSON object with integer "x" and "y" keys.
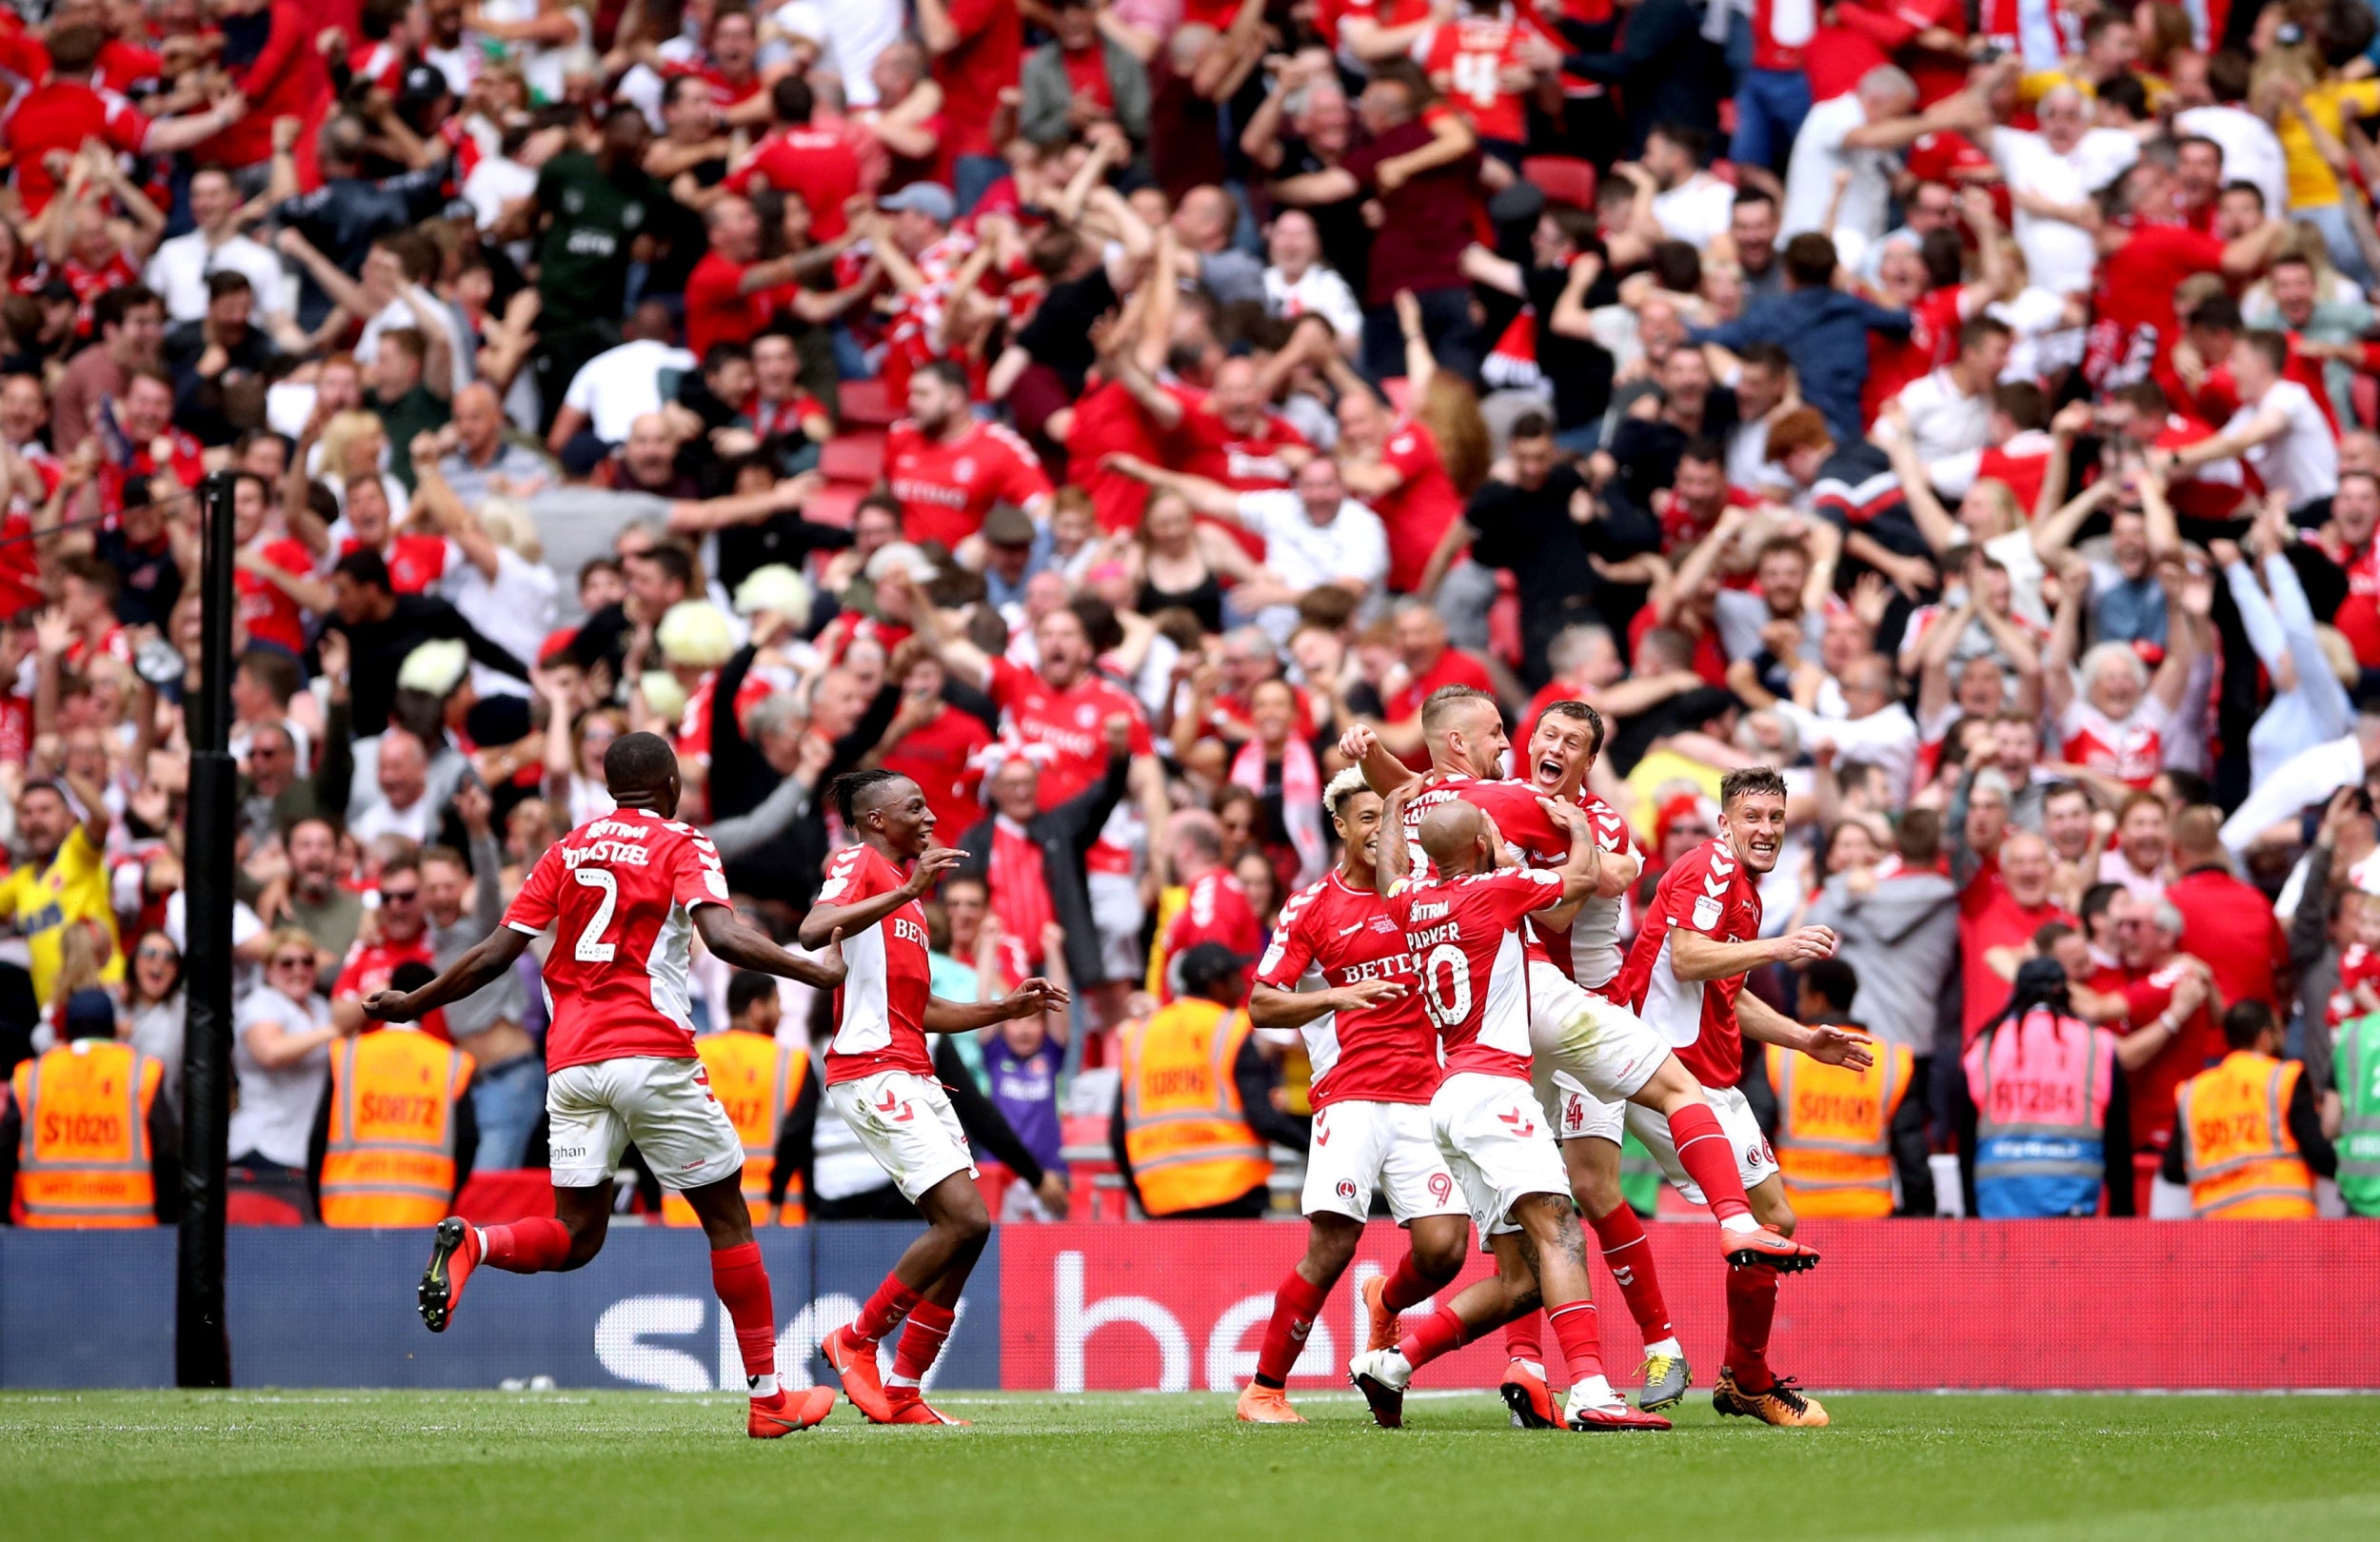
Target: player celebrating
{"x": 1597, "y": 1043}
{"x": 1465, "y": 929}
{"x": 1685, "y": 976}
{"x": 1561, "y": 750}
{"x": 880, "y": 1078}
{"x": 1375, "y": 1057}
{"x": 625, "y": 892}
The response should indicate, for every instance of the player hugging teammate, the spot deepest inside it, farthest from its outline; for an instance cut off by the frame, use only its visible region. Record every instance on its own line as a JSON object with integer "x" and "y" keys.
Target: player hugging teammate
{"x": 1531, "y": 986}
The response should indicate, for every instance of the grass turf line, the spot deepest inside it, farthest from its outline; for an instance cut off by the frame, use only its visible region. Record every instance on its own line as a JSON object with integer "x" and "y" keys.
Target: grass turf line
{"x": 93, "y": 1466}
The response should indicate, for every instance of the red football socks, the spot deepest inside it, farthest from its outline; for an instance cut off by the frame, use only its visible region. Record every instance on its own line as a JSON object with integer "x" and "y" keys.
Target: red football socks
{"x": 1704, "y": 1152}
{"x": 921, "y": 1342}
{"x": 528, "y": 1247}
{"x": 1297, "y": 1302}
{"x": 1524, "y": 1337}
{"x": 1575, "y": 1329}
{"x": 1629, "y": 1256}
{"x": 1433, "y": 1335}
{"x": 1407, "y": 1287}
{"x": 892, "y": 1301}
{"x": 1751, "y": 1309}
{"x": 742, "y": 1281}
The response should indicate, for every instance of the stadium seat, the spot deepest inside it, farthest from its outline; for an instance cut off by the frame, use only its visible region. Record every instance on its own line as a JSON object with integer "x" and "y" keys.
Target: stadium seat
{"x": 1563, "y": 179}
{"x": 502, "y": 1194}
{"x": 866, "y": 403}
{"x": 251, "y": 1207}
{"x": 835, "y": 504}
{"x": 854, "y": 456}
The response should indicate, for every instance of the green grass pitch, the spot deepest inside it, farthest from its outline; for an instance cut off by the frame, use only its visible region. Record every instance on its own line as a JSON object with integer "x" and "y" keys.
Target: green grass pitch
{"x": 1138, "y": 1469}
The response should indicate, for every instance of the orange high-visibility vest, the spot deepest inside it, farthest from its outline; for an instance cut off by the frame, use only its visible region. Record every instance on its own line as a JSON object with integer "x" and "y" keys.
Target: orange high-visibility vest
{"x": 755, "y": 1079}
{"x": 390, "y": 1158}
{"x": 1835, "y": 1128}
{"x": 83, "y": 1159}
{"x": 1184, "y": 1131}
{"x": 2233, "y": 1122}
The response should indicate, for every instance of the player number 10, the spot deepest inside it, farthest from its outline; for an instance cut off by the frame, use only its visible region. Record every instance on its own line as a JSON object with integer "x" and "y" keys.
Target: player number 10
{"x": 591, "y": 949}
{"x": 1448, "y": 1010}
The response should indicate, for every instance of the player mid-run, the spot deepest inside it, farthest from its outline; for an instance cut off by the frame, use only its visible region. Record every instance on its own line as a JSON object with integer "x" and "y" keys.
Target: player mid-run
{"x": 880, "y": 1079}
{"x": 1375, "y": 1057}
{"x": 1464, "y": 926}
{"x": 624, "y": 895}
{"x": 1685, "y": 977}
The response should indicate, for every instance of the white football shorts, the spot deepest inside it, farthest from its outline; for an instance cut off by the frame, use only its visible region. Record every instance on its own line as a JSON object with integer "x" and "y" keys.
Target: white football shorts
{"x": 1496, "y": 1144}
{"x": 665, "y": 1106}
{"x": 908, "y": 1124}
{"x": 1359, "y": 1147}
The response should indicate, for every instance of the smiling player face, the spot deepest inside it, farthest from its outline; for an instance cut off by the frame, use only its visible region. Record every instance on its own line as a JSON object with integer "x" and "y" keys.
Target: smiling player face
{"x": 906, "y": 822}
{"x": 1560, "y": 753}
{"x": 1753, "y": 826}
{"x": 1359, "y": 824}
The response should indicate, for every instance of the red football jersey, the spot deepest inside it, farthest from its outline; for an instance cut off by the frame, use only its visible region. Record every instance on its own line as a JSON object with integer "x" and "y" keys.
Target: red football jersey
{"x": 880, "y": 1008}
{"x": 1706, "y": 891}
{"x": 619, "y": 892}
{"x": 2198, "y": 1045}
{"x": 814, "y": 163}
{"x": 270, "y": 615}
{"x": 1465, "y": 935}
{"x": 415, "y": 562}
{"x": 1065, "y": 732}
{"x": 2358, "y": 965}
{"x": 1473, "y": 52}
{"x": 947, "y": 489}
{"x": 940, "y": 759}
{"x": 1216, "y": 910}
{"x": 1417, "y": 512}
{"x": 1243, "y": 463}
{"x": 1386, "y": 1052}
{"x": 60, "y": 116}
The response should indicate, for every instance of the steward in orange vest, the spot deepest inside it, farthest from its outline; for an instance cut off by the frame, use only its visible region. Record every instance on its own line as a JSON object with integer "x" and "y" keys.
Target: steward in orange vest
{"x": 394, "y": 1137}
{"x": 1841, "y": 1135}
{"x": 1194, "y": 1110}
{"x": 770, "y": 1094}
{"x": 85, "y": 1140}
{"x": 2246, "y": 1134}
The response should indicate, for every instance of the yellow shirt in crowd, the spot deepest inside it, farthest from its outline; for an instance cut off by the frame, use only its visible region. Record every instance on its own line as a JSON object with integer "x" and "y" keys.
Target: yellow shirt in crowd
{"x": 46, "y": 900}
{"x": 2313, "y": 183}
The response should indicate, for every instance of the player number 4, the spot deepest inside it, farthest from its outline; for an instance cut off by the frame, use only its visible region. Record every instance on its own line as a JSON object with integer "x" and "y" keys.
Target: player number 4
{"x": 590, "y": 949}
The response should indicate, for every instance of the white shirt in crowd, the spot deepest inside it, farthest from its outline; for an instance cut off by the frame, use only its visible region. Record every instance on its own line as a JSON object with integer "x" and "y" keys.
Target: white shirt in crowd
{"x": 397, "y": 314}
{"x": 1943, "y": 419}
{"x": 620, "y": 384}
{"x": 1306, "y": 555}
{"x": 416, "y": 823}
{"x": 514, "y": 610}
{"x": 2304, "y": 461}
{"x": 276, "y": 1111}
{"x": 179, "y": 271}
{"x": 2251, "y": 151}
{"x": 1819, "y": 153}
{"x": 1320, "y": 291}
{"x": 1694, "y": 211}
{"x": 2059, "y": 257}
{"x": 1886, "y": 739}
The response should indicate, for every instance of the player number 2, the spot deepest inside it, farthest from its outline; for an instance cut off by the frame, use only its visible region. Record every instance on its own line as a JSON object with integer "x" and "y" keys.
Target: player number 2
{"x": 591, "y": 949}
{"x": 1449, "y": 1009}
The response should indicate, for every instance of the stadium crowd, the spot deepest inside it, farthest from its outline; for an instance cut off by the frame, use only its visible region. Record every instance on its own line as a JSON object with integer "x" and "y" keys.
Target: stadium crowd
{"x": 1091, "y": 408}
